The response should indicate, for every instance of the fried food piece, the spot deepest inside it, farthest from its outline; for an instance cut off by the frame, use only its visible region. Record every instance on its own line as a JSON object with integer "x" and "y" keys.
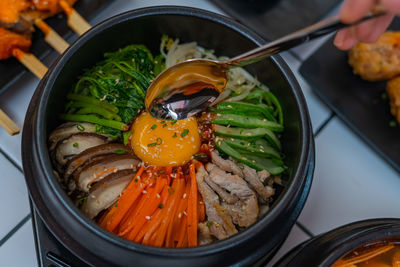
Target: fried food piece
{"x": 10, "y": 40}
{"x": 378, "y": 61}
{"x": 10, "y": 9}
{"x": 20, "y": 15}
{"x": 393, "y": 90}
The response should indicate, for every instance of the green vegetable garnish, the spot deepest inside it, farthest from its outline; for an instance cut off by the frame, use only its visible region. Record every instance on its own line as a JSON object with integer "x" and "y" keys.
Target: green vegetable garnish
{"x": 82, "y": 200}
{"x": 153, "y": 126}
{"x": 120, "y": 151}
{"x": 184, "y": 132}
{"x": 80, "y": 127}
{"x": 75, "y": 144}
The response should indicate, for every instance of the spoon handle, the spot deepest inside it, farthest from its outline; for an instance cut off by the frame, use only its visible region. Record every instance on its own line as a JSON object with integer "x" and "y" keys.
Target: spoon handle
{"x": 289, "y": 41}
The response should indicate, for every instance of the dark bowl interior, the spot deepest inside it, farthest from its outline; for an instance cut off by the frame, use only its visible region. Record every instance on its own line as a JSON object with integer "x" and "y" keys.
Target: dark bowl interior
{"x": 146, "y": 26}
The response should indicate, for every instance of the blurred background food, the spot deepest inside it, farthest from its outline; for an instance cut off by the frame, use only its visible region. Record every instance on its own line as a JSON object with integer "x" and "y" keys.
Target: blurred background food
{"x": 380, "y": 61}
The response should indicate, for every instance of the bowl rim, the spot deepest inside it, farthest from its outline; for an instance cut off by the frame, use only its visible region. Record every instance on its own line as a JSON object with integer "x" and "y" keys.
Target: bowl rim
{"x": 41, "y": 140}
{"x": 330, "y": 246}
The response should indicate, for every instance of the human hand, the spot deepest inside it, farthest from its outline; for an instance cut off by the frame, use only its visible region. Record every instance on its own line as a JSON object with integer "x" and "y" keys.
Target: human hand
{"x": 369, "y": 31}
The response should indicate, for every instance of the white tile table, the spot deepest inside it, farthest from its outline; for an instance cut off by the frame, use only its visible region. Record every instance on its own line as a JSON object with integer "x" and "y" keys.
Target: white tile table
{"x": 350, "y": 183}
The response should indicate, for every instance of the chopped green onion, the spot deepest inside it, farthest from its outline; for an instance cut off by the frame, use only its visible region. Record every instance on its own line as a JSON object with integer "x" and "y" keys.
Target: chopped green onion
{"x": 154, "y": 126}
{"x": 171, "y": 190}
{"x": 184, "y": 133}
{"x": 75, "y": 144}
{"x": 120, "y": 151}
{"x": 80, "y": 127}
{"x": 161, "y": 206}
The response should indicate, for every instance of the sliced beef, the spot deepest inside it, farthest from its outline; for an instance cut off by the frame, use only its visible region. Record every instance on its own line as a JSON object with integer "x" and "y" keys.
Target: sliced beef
{"x": 91, "y": 154}
{"x": 99, "y": 169}
{"x": 221, "y": 223}
{"x": 250, "y": 175}
{"x": 106, "y": 192}
{"x": 67, "y": 129}
{"x": 263, "y": 175}
{"x": 225, "y": 164}
{"x": 226, "y": 196}
{"x": 204, "y": 234}
{"x": 244, "y": 212}
{"x": 76, "y": 144}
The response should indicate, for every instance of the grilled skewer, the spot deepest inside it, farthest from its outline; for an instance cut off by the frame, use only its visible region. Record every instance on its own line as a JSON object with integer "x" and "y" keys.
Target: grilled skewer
{"x": 16, "y": 27}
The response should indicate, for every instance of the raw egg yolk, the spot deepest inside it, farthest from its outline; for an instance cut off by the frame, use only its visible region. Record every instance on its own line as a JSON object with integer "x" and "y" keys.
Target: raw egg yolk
{"x": 164, "y": 143}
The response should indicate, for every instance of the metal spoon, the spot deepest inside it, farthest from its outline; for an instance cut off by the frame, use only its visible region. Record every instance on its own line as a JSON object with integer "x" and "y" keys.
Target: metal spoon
{"x": 187, "y": 88}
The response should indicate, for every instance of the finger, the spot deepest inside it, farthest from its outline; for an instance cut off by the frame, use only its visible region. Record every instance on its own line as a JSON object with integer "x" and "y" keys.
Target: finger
{"x": 392, "y": 5}
{"x": 370, "y": 31}
{"x": 353, "y": 10}
{"x": 345, "y": 39}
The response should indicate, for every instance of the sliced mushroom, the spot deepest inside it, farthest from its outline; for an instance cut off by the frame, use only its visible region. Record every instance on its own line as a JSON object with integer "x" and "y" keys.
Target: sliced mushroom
{"x": 67, "y": 129}
{"x": 99, "y": 169}
{"x": 93, "y": 153}
{"x": 75, "y": 144}
{"x": 104, "y": 193}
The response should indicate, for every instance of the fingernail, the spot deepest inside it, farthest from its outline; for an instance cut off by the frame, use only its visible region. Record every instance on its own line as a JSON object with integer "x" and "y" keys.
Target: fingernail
{"x": 338, "y": 42}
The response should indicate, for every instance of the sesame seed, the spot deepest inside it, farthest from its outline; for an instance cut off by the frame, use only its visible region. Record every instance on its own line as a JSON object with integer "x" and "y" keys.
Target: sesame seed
{"x": 158, "y": 196}
{"x": 185, "y": 213}
{"x": 144, "y": 192}
{"x": 184, "y": 196}
{"x": 179, "y": 215}
{"x": 148, "y": 217}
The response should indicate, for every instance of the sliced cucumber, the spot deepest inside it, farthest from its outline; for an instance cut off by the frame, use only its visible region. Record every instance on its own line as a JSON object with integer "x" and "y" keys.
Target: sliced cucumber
{"x": 258, "y": 147}
{"x": 252, "y": 161}
{"x": 243, "y": 108}
{"x": 246, "y": 122}
{"x": 243, "y": 133}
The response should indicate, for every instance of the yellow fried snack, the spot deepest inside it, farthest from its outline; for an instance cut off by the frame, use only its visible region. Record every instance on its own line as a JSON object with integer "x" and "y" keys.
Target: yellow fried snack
{"x": 378, "y": 61}
{"x": 393, "y": 90}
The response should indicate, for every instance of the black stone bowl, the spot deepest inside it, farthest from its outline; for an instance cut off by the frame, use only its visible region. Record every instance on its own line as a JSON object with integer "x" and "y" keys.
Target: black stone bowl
{"x": 325, "y": 249}
{"x": 84, "y": 237}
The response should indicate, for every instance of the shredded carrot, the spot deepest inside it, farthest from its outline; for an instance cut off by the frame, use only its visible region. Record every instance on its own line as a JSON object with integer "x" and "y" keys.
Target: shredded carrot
{"x": 201, "y": 207}
{"x": 144, "y": 214}
{"x": 154, "y": 221}
{"x": 192, "y": 209}
{"x": 182, "y": 233}
{"x": 176, "y": 193}
{"x": 176, "y": 223}
{"x": 128, "y": 197}
{"x": 128, "y": 222}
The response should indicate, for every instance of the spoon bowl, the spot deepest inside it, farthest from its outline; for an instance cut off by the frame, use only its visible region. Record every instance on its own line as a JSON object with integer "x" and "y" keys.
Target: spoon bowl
{"x": 186, "y": 88}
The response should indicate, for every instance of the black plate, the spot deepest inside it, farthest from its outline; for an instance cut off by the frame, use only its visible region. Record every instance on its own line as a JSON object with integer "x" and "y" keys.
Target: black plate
{"x": 11, "y": 70}
{"x": 357, "y": 102}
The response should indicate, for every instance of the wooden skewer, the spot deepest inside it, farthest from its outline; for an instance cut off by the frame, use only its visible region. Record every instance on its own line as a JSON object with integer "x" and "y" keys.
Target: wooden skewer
{"x": 52, "y": 37}
{"x": 37, "y": 68}
{"x": 75, "y": 21}
{"x": 8, "y": 124}
{"x": 31, "y": 62}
